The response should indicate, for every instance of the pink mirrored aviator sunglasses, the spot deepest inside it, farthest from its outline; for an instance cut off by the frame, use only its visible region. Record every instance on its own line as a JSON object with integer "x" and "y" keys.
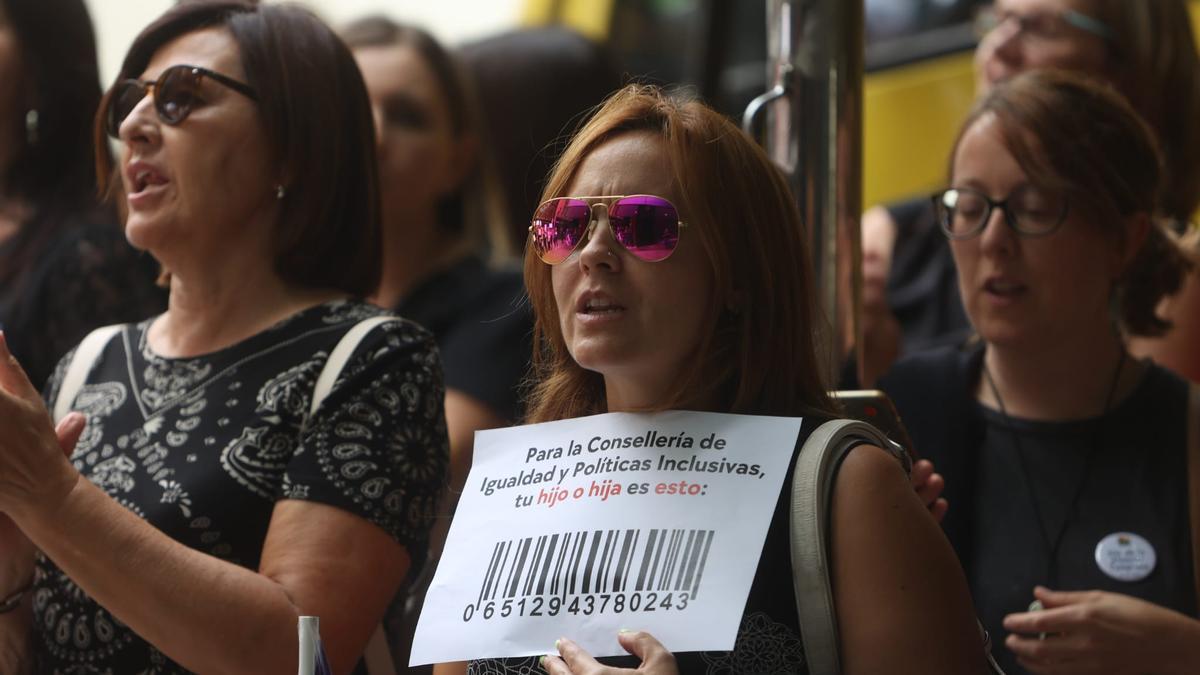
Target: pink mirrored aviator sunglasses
{"x": 645, "y": 225}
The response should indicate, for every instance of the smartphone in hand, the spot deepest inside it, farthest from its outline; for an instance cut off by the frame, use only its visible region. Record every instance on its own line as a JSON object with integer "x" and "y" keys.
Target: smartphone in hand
{"x": 874, "y": 407}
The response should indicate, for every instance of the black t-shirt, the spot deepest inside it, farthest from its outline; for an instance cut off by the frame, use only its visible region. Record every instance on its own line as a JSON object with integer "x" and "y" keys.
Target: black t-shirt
{"x": 1138, "y": 484}
{"x": 768, "y": 639}
{"x": 1134, "y": 481}
{"x": 483, "y": 326}
{"x": 202, "y": 448}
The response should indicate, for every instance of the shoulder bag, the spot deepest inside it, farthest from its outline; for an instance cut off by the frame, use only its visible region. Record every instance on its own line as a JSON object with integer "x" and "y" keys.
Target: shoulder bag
{"x": 812, "y": 490}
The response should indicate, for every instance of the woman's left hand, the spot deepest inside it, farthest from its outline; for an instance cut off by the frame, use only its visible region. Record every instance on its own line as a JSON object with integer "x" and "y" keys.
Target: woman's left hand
{"x": 656, "y": 660}
{"x": 929, "y": 485}
{"x": 1101, "y": 632}
{"x": 34, "y": 474}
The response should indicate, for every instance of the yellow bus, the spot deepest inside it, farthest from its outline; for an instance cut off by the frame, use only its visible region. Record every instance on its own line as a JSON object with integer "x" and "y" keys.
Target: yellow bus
{"x": 918, "y": 85}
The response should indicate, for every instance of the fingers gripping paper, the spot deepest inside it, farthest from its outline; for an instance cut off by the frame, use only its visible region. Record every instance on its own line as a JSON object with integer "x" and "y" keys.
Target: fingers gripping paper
{"x": 581, "y": 527}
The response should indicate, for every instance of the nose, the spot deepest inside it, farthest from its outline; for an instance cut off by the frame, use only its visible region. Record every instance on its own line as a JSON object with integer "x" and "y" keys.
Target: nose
{"x": 997, "y": 238}
{"x": 600, "y": 251}
{"x": 140, "y": 125}
{"x": 1005, "y": 41}
{"x": 377, "y": 118}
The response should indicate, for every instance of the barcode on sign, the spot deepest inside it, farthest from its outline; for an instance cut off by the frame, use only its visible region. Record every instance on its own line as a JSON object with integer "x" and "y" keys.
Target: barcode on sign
{"x": 597, "y": 561}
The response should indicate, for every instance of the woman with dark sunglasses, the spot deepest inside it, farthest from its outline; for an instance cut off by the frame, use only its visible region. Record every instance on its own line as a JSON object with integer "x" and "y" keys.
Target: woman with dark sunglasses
{"x": 209, "y": 495}
{"x": 1065, "y": 457}
{"x": 1146, "y": 50}
{"x": 668, "y": 268}
{"x": 65, "y": 268}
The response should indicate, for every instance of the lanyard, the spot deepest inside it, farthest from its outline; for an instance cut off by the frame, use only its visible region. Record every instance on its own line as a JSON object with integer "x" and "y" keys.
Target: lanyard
{"x": 1054, "y": 544}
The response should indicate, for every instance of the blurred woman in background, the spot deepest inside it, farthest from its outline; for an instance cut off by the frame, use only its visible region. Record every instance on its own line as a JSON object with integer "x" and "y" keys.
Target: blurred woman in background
{"x": 446, "y": 258}
{"x": 65, "y": 268}
{"x": 447, "y": 264}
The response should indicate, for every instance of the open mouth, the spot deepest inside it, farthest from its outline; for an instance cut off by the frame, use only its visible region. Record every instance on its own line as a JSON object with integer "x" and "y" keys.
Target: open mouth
{"x": 601, "y": 308}
{"x": 145, "y": 178}
{"x": 1003, "y": 288}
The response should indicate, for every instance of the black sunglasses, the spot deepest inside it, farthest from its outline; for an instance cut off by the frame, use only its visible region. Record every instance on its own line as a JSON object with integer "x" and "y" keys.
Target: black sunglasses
{"x": 176, "y": 92}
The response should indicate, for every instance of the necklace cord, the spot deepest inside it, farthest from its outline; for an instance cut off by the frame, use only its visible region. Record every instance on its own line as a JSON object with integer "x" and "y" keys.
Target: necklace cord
{"x": 1053, "y": 545}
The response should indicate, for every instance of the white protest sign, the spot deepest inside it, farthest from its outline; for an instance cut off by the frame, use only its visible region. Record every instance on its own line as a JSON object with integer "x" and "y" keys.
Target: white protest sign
{"x": 581, "y": 527}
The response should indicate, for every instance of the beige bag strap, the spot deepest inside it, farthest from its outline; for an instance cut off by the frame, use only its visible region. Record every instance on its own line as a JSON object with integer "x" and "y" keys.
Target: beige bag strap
{"x": 77, "y": 370}
{"x": 812, "y": 490}
{"x": 377, "y": 655}
{"x": 1193, "y": 441}
{"x": 340, "y": 356}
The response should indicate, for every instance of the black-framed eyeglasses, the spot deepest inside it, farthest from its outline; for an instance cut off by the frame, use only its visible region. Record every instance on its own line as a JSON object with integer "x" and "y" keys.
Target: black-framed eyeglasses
{"x": 177, "y": 91}
{"x": 1042, "y": 25}
{"x": 1031, "y": 212}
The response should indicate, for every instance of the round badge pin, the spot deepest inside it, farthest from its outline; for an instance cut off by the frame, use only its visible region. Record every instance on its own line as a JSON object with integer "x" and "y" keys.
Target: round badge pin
{"x": 1126, "y": 556}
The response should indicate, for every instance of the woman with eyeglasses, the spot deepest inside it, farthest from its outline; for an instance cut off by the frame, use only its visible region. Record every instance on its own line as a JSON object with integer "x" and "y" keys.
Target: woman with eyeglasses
{"x": 65, "y": 268}
{"x": 201, "y": 495}
{"x": 1146, "y": 50}
{"x": 668, "y": 269}
{"x": 1065, "y": 457}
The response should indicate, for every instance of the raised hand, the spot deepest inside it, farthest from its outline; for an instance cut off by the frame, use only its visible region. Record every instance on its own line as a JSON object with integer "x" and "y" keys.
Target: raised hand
{"x": 34, "y": 471}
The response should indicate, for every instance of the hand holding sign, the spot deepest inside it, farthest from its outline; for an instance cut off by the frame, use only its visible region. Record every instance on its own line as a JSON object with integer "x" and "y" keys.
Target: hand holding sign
{"x": 578, "y": 527}
{"x": 656, "y": 660}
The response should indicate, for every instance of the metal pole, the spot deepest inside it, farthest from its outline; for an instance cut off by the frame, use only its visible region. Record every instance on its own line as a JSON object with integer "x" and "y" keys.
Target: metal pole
{"x": 813, "y": 121}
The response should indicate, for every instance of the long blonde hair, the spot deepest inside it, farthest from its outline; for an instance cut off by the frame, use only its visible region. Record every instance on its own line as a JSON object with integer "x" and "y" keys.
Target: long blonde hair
{"x": 757, "y": 353}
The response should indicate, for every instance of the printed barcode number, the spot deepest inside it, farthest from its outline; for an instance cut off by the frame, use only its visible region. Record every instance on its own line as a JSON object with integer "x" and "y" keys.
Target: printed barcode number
{"x": 593, "y": 571}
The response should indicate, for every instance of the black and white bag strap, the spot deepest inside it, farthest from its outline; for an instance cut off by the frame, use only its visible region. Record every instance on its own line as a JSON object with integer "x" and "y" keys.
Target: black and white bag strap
{"x": 81, "y": 364}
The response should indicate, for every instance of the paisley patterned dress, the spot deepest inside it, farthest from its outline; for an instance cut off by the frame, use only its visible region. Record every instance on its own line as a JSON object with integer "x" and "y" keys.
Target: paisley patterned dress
{"x": 203, "y": 448}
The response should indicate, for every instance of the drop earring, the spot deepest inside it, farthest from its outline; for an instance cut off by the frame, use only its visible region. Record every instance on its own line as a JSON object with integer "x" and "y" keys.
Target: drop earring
{"x": 280, "y": 192}
{"x": 31, "y": 127}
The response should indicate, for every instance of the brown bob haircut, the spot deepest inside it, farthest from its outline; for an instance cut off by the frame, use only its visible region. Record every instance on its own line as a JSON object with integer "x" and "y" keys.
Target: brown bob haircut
{"x": 317, "y": 119}
{"x": 757, "y": 356}
{"x": 1079, "y": 137}
{"x": 1157, "y": 67}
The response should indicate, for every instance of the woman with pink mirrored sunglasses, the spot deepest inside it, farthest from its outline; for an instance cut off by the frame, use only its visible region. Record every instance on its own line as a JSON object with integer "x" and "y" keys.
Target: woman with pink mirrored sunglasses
{"x": 668, "y": 269}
